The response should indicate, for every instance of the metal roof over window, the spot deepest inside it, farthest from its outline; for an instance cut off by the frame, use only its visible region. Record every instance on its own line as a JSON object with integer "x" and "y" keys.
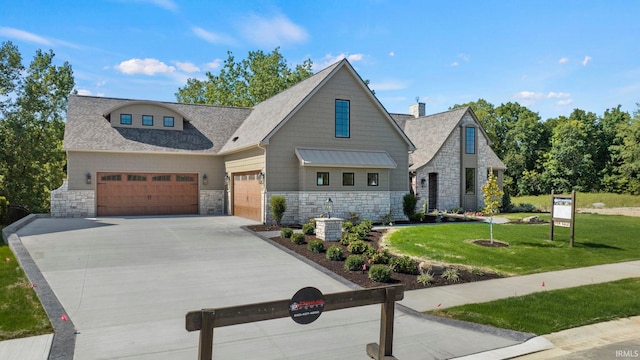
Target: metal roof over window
{"x": 345, "y": 158}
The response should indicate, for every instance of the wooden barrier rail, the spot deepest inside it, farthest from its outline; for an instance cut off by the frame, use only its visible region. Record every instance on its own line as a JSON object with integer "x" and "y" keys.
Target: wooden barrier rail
{"x": 206, "y": 320}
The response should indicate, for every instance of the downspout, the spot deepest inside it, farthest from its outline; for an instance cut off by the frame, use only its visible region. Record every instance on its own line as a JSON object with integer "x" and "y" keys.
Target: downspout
{"x": 264, "y": 184}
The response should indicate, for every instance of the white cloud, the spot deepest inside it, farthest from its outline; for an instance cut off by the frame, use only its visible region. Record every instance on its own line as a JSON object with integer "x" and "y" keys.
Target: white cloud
{"x": 565, "y": 102}
{"x": 187, "y": 67}
{"x": 392, "y": 54}
{"x": 330, "y": 59}
{"x": 22, "y": 35}
{"x": 454, "y": 64}
{"x": 211, "y": 36}
{"x": 558, "y": 95}
{"x": 563, "y": 60}
{"x": 388, "y": 85}
{"x": 586, "y": 60}
{"x": 165, "y": 4}
{"x": 84, "y": 92}
{"x": 275, "y": 31}
{"x": 464, "y": 57}
{"x": 214, "y": 65}
{"x": 529, "y": 95}
{"x": 144, "y": 66}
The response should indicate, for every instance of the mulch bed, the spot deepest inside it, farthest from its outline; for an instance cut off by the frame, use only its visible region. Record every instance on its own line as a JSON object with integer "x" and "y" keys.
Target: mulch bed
{"x": 361, "y": 278}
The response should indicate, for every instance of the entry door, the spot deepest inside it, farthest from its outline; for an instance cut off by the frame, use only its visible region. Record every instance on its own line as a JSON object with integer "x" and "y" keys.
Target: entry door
{"x": 433, "y": 191}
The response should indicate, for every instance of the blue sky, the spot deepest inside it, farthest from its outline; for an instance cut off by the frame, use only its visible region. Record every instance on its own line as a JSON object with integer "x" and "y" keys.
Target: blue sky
{"x": 551, "y": 56}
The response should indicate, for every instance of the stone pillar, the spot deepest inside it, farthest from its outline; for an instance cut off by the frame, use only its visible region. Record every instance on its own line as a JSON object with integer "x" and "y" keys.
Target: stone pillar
{"x": 329, "y": 229}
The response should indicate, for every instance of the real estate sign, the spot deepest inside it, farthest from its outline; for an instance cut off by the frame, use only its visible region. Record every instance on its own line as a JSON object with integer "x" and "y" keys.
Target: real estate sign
{"x": 563, "y": 210}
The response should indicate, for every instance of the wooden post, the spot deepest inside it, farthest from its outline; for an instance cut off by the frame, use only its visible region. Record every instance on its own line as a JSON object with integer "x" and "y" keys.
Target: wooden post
{"x": 551, "y": 222}
{"x": 384, "y": 350}
{"x": 205, "y": 348}
{"x": 573, "y": 217}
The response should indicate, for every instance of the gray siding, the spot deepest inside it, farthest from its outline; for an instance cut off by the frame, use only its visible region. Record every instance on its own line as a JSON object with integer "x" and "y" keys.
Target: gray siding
{"x": 314, "y": 126}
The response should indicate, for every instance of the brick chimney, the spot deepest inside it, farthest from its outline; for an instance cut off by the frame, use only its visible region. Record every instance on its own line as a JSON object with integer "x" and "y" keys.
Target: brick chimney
{"x": 417, "y": 109}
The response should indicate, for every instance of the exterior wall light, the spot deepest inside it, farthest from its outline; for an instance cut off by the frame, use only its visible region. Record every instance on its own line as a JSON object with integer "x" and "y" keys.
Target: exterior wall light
{"x": 328, "y": 206}
{"x": 205, "y": 180}
{"x": 226, "y": 179}
{"x": 260, "y": 177}
{"x": 88, "y": 178}
{"x": 423, "y": 181}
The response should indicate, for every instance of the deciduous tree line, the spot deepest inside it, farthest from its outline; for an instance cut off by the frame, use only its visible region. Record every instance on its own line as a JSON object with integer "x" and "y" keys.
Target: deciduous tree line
{"x": 583, "y": 152}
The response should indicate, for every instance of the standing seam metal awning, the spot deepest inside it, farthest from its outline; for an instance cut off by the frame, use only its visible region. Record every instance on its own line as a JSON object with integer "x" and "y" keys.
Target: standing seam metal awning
{"x": 345, "y": 158}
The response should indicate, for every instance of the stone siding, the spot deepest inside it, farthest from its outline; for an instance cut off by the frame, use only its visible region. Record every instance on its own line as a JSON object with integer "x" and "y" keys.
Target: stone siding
{"x": 329, "y": 229}
{"x": 447, "y": 165}
{"x": 67, "y": 203}
{"x": 211, "y": 202}
{"x": 372, "y": 205}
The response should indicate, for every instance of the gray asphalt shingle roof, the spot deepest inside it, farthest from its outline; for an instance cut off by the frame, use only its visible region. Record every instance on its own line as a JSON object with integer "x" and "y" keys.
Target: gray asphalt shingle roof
{"x": 206, "y": 129}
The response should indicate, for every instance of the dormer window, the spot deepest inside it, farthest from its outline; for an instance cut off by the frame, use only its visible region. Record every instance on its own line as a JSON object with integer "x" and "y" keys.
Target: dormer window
{"x": 147, "y": 120}
{"x": 125, "y": 119}
{"x": 168, "y": 121}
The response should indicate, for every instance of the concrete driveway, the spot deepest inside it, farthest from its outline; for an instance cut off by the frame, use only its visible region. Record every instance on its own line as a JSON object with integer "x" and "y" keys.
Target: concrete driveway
{"x": 127, "y": 283}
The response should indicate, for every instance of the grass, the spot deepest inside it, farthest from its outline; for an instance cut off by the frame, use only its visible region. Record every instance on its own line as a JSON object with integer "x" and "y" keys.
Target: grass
{"x": 583, "y": 200}
{"x": 599, "y": 239}
{"x": 21, "y": 314}
{"x": 551, "y": 311}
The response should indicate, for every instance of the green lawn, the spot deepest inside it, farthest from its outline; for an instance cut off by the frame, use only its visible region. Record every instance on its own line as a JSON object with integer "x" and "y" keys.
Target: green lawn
{"x": 583, "y": 200}
{"x": 21, "y": 313}
{"x": 599, "y": 239}
{"x": 551, "y": 311}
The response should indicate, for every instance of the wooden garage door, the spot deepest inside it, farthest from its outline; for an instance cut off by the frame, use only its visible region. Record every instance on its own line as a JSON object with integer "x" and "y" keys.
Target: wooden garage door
{"x": 146, "y": 194}
{"x": 246, "y": 195}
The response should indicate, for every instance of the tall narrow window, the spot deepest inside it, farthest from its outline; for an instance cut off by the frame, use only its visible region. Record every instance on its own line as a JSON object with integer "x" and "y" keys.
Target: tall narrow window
{"x": 168, "y": 121}
{"x": 470, "y": 181}
{"x": 470, "y": 140}
{"x": 125, "y": 119}
{"x": 147, "y": 120}
{"x": 342, "y": 118}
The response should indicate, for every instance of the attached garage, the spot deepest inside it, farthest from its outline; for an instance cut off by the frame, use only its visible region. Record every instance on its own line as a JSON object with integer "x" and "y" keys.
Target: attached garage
{"x": 247, "y": 195}
{"x": 146, "y": 194}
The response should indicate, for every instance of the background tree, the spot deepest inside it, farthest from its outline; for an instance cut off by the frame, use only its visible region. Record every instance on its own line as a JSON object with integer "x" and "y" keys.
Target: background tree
{"x": 245, "y": 83}
{"x": 32, "y": 113}
{"x": 624, "y": 176}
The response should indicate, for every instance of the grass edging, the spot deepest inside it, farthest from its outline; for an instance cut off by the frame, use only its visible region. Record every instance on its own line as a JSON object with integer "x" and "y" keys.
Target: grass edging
{"x": 551, "y": 311}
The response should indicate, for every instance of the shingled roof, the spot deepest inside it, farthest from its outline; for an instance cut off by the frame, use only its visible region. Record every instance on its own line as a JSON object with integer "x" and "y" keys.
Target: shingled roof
{"x": 429, "y": 134}
{"x": 206, "y": 128}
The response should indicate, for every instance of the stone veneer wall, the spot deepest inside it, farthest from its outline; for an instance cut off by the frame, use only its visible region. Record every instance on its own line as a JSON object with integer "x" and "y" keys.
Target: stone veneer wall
{"x": 72, "y": 203}
{"x": 447, "y": 164}
{"x": 372, "y": 205}
{"x": 212, "y": 202}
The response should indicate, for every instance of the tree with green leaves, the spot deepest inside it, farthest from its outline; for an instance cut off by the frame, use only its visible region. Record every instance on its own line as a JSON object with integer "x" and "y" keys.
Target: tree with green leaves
{"x": 32, "y": 113}
{"x": 492, "y": 196}
{"x": 247, "y": 82}
{"x": 624, "y": 176}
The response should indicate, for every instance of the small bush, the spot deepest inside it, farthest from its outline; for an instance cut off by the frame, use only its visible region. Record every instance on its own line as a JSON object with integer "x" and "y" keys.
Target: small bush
{"x": 506, "y": 202}
{"x": 366, "y": 224}
{"x": 354, "y": 263}
{"x": 354, "y": 218}
{"x": 451, "y": 274}
{"x": 477, "y": 271}
{"x": 4, "y": 211}
{"x": 286, "y": 233}
{"x": 456, "y": 210}
{"x": 388, "y": 218}
{"x": 381, "y": 256}
{"x": 278, "y": 207}
{"x": 348, "y": 239}
{"x": 523, "y": 208}
{"x": 298, "y": 238}
{"x": 309, "y": 229}
{"x": 409, "y": 202}
{"x": 425, "y": 279}
{"x": 316, "y": 246}
{"x": 347, "y": 226}
{"x": 380, "y": 273}
{"x": 358, "y": 247}
{"x": 404, "y": 265}
{"x": 335, "y": 253}
{"x": 417, "y": 217}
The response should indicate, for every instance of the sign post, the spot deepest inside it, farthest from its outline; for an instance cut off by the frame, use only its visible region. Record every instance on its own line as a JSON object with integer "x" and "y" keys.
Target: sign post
{"x": 563, "y": 213}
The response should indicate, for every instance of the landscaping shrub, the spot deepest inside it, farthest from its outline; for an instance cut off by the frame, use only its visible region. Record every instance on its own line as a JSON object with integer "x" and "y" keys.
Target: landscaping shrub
{"x": 354, "y": 218}
{"x": 347, "y": 226}
{"x": 278, "y": 207}
{"x": 451, "y": 274}
{"x": 298, "y": 238}
{"x": 404, "y": 265}
{"x": 348, "y": 239}
{"x": 366, "y": 224}
{"x": 358, "y": 247}
{"x": 388, "y": 218}
{"x": 425, "y": 279}
{"x": 286, "y": 233}
{"x": 409, "y": 202}
{"x": 506, "y": 202}
{"x": 354, "y": 263}
{"x": 335, "y": 253}
{"x": 4, "y": 211}
{"x": 523, "y": 208}
{"x": 380, "y": 273}
{"x": 309, "y": 229}
{"x": 381, "y": 256}
{"x": 316, "y": 246}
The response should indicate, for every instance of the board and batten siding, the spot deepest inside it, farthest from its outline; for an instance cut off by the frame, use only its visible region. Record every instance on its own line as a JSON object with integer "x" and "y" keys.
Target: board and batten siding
{"x": 248, "y": 160}
{"x": 80, "y": 163}
{"x": 313, "y": 126}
